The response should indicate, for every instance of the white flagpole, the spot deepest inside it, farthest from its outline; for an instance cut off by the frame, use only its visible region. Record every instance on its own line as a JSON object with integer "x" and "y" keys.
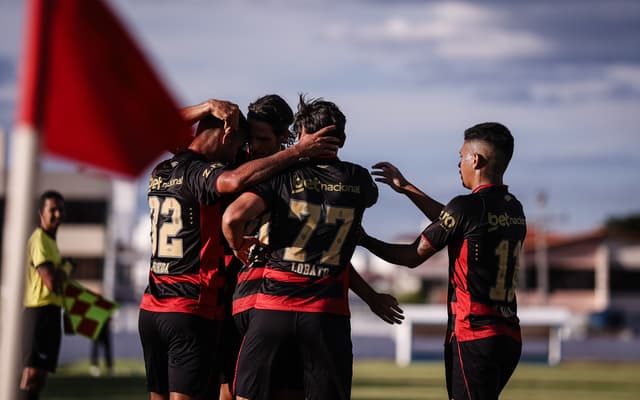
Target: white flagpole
{"x": 19, "y": 212}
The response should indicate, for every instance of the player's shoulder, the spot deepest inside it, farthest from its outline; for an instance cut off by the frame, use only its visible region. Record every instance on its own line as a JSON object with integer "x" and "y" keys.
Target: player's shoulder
{"x": 463, "y": 201}
{"x": 40, "y": 239}
{"x": 511, "y": 198}
{"x": 41, "y": 234}
{"x": 349, "y": 164}
{"x": 38, "y": 235}
{"x": 353, "y": 168}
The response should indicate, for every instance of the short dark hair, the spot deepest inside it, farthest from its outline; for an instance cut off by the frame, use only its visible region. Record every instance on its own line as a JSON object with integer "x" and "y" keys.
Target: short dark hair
{"x": 315, "y": 114}
{"x": 49, "y": 194}
{"x": 498, "y": 136}
{"x": 273, "y": 110}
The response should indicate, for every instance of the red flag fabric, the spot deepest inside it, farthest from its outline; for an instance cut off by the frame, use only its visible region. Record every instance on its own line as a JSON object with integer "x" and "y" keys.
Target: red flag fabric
{"x": 90, "y": 91}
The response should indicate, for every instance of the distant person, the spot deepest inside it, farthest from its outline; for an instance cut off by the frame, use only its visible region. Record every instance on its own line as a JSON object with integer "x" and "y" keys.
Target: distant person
{"x": 180, "y": 309}
{"x": 484, "y": 232}
{"x": 316, "y": 208}
{"x": 46, "y": 273}
{"x": 102, "y": 341}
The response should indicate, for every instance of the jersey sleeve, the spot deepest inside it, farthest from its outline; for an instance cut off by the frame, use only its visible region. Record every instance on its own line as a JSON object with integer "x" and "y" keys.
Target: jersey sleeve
{"x": 369, "y": 188}
{"x": 202, "y": 178}
{"x": 449, "y": 225}
{"x": 266, "y": 190}
{"x": 39, "y": 251}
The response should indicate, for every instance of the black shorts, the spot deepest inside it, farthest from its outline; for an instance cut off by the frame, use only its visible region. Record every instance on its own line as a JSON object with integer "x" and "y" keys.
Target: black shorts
{"x": 43, "y": 333}
{"x": 242, "y": 321}
{"x": 179, "y": 352}
{"x": 324, "y": 344}
{"x": 287, "y": 372}
{"x": 229, "y": 349}
{"x": 479, "y": 369}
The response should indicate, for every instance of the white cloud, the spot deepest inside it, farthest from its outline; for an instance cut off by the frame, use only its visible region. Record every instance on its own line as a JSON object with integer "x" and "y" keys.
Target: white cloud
{"x": 570, "y": 91}
{"x": 488, "y": 44}
{"x": 613, "y": 79}
{"x": 456, "y": 30}
{"x": 625, "y": 74}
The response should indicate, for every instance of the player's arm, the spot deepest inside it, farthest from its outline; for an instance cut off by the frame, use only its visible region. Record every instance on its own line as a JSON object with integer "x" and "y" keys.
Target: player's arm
{"x": 52, "y": 277}
{"x": 383, "y": 305}
{"x": 410, "y": 255}
{"x": 387, "y": 173}
{"x": 244, "y": 209}
{"x": 221, "y": 109}
{"x": 250, "y": 173}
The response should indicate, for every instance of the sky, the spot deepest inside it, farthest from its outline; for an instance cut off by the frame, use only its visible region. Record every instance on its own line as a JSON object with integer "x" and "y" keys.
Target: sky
{"x": 411, "y": 76}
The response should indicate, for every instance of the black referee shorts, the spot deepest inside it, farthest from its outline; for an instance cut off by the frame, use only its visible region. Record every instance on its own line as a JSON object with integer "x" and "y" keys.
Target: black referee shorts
{"x": 42, "y": 336}
{"x": 480, "y": 369}
{"x": 179, "y": 352}
{"x": 323, "y": 341}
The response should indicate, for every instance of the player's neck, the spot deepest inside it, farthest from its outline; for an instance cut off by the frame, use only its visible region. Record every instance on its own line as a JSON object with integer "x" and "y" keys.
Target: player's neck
{"x": 484, "y": 180}
{"x": 51, "y": 232}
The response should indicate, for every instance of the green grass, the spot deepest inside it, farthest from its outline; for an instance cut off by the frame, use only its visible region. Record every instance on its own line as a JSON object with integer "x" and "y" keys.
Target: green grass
{"x": 382, "y": 380}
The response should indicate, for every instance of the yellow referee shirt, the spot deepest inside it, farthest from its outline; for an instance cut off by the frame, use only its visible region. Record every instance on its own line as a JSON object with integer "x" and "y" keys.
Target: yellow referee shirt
{"x": 41, "y": 248}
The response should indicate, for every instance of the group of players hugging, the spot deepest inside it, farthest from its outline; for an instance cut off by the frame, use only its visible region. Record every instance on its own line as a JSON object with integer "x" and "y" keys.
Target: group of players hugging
{"x": 253, "y": 226}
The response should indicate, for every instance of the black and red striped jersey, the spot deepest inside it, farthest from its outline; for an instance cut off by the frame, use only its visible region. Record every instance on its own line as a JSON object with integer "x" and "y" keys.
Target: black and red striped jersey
{"x": 249, "y": 277}
{"x": 484, "y": 231}
{"x": 187, "y": 252}
{"x": 316, "y": 208}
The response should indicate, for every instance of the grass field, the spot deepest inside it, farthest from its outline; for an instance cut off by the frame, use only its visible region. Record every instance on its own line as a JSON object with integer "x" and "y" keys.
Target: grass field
{"x": 385, "y": 381}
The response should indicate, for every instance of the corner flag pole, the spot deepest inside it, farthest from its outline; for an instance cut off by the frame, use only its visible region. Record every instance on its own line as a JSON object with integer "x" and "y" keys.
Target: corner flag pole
{"x": 18, "y": 213}
{"x": 19, "y": 203}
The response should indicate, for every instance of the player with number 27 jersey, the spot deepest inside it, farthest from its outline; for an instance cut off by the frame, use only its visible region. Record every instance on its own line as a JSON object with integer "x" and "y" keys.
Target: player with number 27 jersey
{"x": 315, "y": 209}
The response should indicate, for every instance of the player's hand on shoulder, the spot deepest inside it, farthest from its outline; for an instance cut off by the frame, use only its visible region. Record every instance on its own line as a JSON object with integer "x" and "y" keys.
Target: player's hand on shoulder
{"x": 387, "y": 173}
{"x": 318, "y": 144}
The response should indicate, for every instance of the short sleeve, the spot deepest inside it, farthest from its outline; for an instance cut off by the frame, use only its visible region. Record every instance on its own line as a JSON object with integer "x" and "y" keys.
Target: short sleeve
{"x": 448, "y": 226}
{"x": 266, "y": 190}
{"x": 202, "y": 178}
{"x": 370, "y": 189}
{"x": 40, "y": 251}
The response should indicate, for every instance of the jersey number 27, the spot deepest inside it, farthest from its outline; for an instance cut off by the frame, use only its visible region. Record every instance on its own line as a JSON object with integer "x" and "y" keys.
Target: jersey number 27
{"x": 303, "y": 210}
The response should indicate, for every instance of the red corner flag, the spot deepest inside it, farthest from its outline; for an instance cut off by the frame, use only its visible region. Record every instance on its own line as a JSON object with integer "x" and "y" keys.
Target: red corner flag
{"x": 90, "y": 91}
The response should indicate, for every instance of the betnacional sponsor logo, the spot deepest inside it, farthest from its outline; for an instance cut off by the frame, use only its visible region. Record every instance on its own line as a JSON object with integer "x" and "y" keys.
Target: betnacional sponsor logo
{"x": 504, "y": 220}
{"x": 300, "y": 185}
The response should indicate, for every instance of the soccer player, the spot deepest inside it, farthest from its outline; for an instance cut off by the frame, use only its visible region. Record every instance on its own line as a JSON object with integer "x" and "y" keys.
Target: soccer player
{"x": 269, "y": 118}
{"x": 316, "y": 208}
{"x": 46, "y": 273}
{"x": 180, "y": 307}
{"x": 484, "y": 231}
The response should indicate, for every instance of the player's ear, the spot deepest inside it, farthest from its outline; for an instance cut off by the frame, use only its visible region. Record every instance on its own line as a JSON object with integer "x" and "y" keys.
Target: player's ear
{"x": 479, "y": 161}
{"x": 343, "y": 139}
